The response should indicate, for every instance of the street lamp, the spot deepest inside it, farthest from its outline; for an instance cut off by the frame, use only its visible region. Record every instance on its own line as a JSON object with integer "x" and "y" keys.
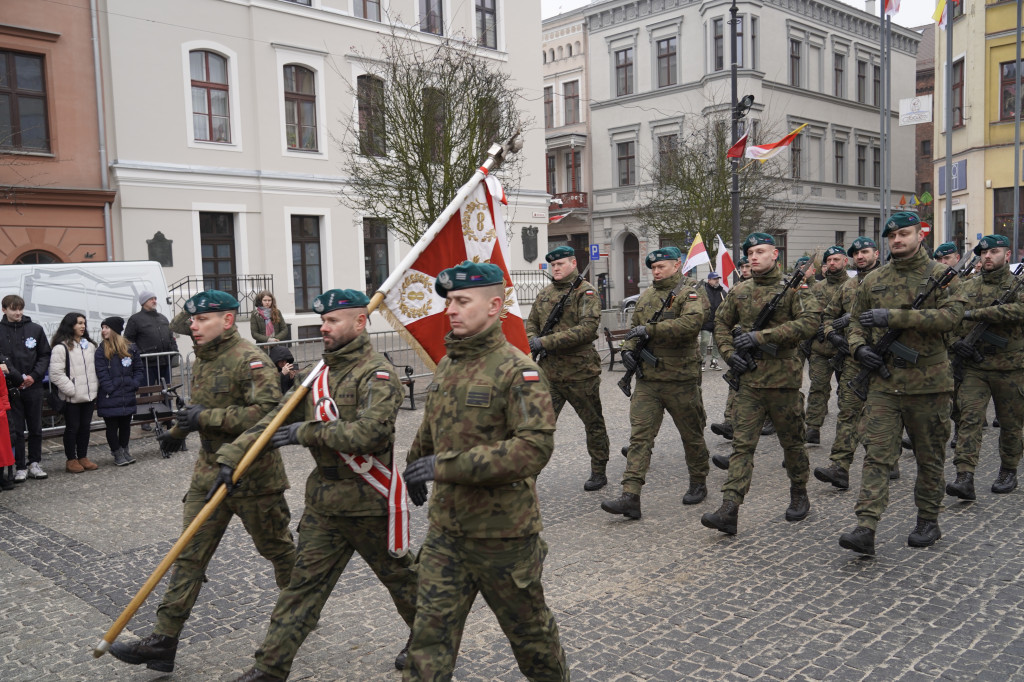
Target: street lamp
{"x": 739, "y": 110}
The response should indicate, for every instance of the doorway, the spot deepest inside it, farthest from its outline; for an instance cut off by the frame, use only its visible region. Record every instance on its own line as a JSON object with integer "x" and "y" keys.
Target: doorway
{"x": 630, "y": 265}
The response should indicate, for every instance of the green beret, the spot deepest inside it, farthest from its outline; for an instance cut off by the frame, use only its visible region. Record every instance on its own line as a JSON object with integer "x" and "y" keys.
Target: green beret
{"x": 339, "y": 299}
{"x": 664, "y": 253}
{"x": 991, "y": 241}
{"x": 943, "y": 250}
{"x": 560, "y": 252}
{"x": 467, "y": 275}
{"x": 861, "y": 243}
{"x": 755, "y": 238}
{"x": 834, "y": 251}
{"x": 900, "y": 219}
{"x": 802, "y": 259}
{"x": 211, "y": 301}
{"x": 742, "y": 261}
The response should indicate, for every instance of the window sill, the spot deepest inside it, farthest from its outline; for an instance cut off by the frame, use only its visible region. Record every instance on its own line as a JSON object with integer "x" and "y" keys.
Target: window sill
{"x": 26, "y": 152}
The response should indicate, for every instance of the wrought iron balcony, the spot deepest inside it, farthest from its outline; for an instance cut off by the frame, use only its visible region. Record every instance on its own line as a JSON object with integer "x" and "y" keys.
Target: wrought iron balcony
{"x": 566, "y": 200}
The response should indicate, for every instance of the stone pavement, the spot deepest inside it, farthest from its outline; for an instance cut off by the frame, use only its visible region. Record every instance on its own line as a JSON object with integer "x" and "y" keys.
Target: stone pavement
{"x": 662, "y": 598}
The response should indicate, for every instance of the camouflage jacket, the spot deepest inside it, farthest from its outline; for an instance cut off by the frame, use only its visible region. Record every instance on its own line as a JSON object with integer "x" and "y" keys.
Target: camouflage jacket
{"x": 488, "y": 417}
{"x": 795, "y": 320}
{"x": 841, "y": 304}
{"x": 570, "y": 346}
{"x": 894, "y": 286}
{"x": 675, "y": 338}
{"x": 1005, "y": 320}
{"x": 827, "y": 291}
{"x": 237, "y": 385}
{"x": 367, "y": 393}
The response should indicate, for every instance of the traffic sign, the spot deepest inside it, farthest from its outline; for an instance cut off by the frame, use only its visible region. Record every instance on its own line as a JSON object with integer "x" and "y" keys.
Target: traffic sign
{"x": 595, "y": 252}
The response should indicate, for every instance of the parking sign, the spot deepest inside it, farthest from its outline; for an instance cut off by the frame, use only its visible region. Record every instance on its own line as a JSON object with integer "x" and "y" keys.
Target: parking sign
{"x": 595, "y": 252}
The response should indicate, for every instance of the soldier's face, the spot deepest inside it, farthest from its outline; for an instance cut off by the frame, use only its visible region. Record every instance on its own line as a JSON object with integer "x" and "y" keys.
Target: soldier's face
{"x": 340, "y": 327}
{"x": 994, "y": 258}
{"x": 471, "y": 311}
{"x": 665, "y": 268}
{"x": 836, "y": 262}
{"x": 14, "y": 314}
{"x": 207, "y": 327}
{"x": 762, "y": 258}
{"x": 950, "y": 259}
{"x": 745, "y": 270}
{"x": 865, "y": 258}
{"x": 905, "y": 241}
{"x": 561, "y": 268}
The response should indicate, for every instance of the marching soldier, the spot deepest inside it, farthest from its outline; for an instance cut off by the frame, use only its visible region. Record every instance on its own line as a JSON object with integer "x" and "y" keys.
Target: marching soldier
{"x": 990, "y": 371}
{"x": 864, "y": 252}
{"x": 915, "y": 395}
{"x": 744, "y": 265}
{"x": 724, "y": 428}
{"x": 822, "y": 351}
{"x": 947, "y": 254}
{"x": 487, "y": 432}
{"x": 672, "y": 386}
{"x": 347, "y": 419}
{"x": 773, "y": 388}
{"x": 233, "y": 386}
{"x": 567, "y": 355}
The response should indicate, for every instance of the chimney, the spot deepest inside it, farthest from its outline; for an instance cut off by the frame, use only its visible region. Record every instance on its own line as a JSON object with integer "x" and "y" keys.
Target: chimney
{"x": 869, "y": 7}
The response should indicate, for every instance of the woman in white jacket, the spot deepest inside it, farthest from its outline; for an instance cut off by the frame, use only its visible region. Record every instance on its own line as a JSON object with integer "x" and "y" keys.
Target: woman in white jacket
{"x": 73, "y": 374}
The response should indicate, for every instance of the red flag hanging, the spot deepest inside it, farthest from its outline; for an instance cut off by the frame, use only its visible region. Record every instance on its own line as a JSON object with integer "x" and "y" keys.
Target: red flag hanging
{"x": 736, "y": 151}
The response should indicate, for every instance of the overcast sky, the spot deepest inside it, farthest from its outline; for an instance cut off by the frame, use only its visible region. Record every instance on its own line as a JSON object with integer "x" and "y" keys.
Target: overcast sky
{"x": 912, "y": 12}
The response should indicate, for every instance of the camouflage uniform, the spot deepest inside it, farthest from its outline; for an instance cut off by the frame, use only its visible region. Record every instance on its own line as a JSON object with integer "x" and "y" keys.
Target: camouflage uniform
{"x": 1000, "y": 376}
{"x": 820, "y": 370}
{"x": 489, "y": 420}
{"x": 343, "y": 513}
{"x": 572, "y": 365}
{"x": 237, "y": 385}
{"x": 774, "y": 387}
{"x": 727, "y": 415}
{"x": 917, "y": 396}
{"x": 673, "y": 385}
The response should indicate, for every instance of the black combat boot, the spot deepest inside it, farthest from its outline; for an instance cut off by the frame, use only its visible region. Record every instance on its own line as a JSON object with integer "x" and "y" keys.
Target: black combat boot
{"x": 995, "y": 423}
{"x": 625, "y": 450}
{"x": 894, "y": 473}
{"x": 596, "y": 481}
{"x": 925, "y": 534}
{"x": 1006, "y": 482}
{"x": 156, "y": 651}
{"x": 723, "y": 429}
{"x": 768, "y": 428}
{"x": 799, "y": 505}
{"x": 861, "y": 540}
{"x": 403, "y": 656}
{"x": 697, "y": 492}
{"x": 963, "y": 486}
{"x": 724, "y": 519}
{"x": 628, "y": 505}
{"x": 907, "y": 443}
{"x": 834, "y": 474}
{"x": 721, "y": 461}
{"x": 256, "y": 675}
{"x": 813, "y": 436}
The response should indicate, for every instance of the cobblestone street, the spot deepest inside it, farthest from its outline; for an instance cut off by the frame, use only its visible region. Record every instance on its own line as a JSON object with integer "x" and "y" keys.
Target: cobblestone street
{"x": 662, "y": 598}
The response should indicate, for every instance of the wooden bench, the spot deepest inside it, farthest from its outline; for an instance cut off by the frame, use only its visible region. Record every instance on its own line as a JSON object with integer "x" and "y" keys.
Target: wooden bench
{"x": 152, "y": 407}
{"x": 408, "y": 380}
{"x": 613, "y": 337}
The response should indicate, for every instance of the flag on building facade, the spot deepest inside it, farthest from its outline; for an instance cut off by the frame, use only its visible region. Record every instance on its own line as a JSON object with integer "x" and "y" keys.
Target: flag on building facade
{"x": 697, "y": 255}
{"x": 764, "y": 152}
{"x": 475, "y": 232}
{"x": 723, "y": 263}
{"x": 736, "y": 151}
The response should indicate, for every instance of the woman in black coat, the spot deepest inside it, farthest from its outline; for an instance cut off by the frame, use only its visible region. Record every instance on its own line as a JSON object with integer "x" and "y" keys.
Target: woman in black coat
{"x": 120, "y": 372}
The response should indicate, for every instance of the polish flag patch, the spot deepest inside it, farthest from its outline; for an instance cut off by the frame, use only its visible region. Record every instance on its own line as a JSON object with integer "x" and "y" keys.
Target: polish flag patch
{"x": 256, "y": 364}
{"x": 531, "y": 375}
{"x": 589, "y": 293}
{"x": 693, "y": 296}
{"x": 384, "y": 375}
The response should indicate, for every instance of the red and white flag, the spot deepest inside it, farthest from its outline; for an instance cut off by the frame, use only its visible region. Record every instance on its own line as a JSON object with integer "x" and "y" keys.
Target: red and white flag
{"x": 892, "y": 7}
{"x": 475, "y": 232}
{"x": 736, "y": 151}
{"x": 698, "y": 255}
{"x": 764, "y": 152}
{"x": 723, "y": 264}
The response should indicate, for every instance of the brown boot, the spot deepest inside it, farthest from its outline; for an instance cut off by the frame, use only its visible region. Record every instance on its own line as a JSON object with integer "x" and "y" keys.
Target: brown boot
{"x": 87, "y": 465}
{"x": 74, "y": 467}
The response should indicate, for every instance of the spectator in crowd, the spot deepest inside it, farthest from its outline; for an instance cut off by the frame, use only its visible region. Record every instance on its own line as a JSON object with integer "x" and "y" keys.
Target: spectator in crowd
{"x": 716, "y": 294}
{"x": 120, "y": 374}
{"x": 73, "y": 373}
{"x": 6, "y": 451}
{"x": 267, "y": 323}
{"x": 285, "y": 362}
{"x": 150, "y": 331}
{"x": 26, "y": 355}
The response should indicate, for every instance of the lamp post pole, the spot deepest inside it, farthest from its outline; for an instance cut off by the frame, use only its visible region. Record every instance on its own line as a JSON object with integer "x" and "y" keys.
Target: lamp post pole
{"x": 735, "y": 138}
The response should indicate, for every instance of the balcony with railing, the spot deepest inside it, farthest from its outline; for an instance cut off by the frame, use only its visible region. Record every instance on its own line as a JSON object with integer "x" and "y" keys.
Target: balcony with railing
{"x": 242, "y": 287}
{"x": 566, "y": 200}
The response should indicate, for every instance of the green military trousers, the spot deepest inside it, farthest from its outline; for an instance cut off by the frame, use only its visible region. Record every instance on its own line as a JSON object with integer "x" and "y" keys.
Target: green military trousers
{"x": 685, "y": 404}
{"x": 821, "y": 390}
{"x": 265, "y": 518}
{"x": 926, "y": 418}
{"x": 585, "y": 398}
{"x": 848, "y": 422}
{"x": 326, "y": 543}
{"x": 785, "y": 406}
{"x": 507, "y": 572}
{"x": 729, "y": 401}
{"x": 1006, "y": 389}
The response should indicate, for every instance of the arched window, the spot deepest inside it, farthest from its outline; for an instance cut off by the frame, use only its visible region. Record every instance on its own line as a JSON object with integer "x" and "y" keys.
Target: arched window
{"x": 544, "y": 56}
{"x": 210, "y": 116}
{"x": 300, "y": 107}
{"x": 372, "y": 133}
{"x": 560, "y": 53}
{"x": 577, "y": 50}
{"x": 551, "y": 55}
{"x": 568, "y": 50}
{"x": 36, "y": 258}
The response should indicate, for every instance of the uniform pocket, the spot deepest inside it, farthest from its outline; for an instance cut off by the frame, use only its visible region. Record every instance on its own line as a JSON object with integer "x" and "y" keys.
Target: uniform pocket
{"x": 528, "y": 569}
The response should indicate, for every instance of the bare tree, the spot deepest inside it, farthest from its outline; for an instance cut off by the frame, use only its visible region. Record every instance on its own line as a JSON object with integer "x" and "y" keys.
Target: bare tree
{"x": 425, "y": 116}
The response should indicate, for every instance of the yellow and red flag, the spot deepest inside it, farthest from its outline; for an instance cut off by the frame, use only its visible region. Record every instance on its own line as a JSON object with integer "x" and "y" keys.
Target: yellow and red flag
{"x": 697, "y": 255}
{"x": 764, "y": 152}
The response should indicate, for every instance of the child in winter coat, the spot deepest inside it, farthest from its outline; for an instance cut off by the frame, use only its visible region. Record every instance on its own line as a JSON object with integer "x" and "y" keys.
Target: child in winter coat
{"x": 73, "y": 373}
{"x": 120, "y": 372}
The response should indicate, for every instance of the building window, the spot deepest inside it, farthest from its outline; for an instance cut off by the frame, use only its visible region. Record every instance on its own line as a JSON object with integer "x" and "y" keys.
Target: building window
{"x": 627, "y": 163}
{"x": 876, "y": 79}
{"x": 210, "y": 116}
{"x": 36, "y": 257}
{"x": 753, "y": 42}
{"x": 717, "y": 44}
{"x": 876, "y": 166}
{"x": 372, "y": 133}
{"x": 572, "y": 171}
{"x": 434, "y": 116}
{"x": 958, "y": 93}
{"x": 571, "y": 92}
{"x": 780, "y": 244}
{"x": 432, "y": 17}
{"x": 876, "y": 229}
{"x": 862, "y": 81}
{"x": 666, "y": 62}
{"x": 307, "y": 3}
{"x": 926, "y": 187}
{"x": 795, "y": 157}
{"x": 624, "y": 72}
{"x": 840, "y": 154}
{"x": 794, "y": 63}
{"x": 549, "y": 107}
{"x": 862, "y": 165}
{"x": 300, "y": 108}
{"x": 306, "y": 264}
{"x": 367, "y": 9}
{"x": 552, "y": 187}
{"x": 926, "y": 147}
{"x": 1003, "y": 212}
{"x": 840, "y": 238}
{"x": 738, "y": 56}
{"x": 862, "y": 226}
{"x": 839, "y": 67}
{"x": 217, "y": 250}
{"x": 487, "y": 24}
{"x": 375, "y": 253}
{"x": 667, "y": 145}
{"x": 23, "y": 120}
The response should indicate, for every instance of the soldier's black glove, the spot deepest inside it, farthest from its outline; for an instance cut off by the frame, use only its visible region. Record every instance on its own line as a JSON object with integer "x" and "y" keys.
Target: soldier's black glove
{"x": 841, "y": 322}
{"x": 168, "y": 443}
{"x": 629, "y": 360}
{"x": 417, "y": 493}
{"x": 739, "y": 363}
{"x": 420, "y": 471}
{"x": 745, "y": 341}
{"x": 286, "y": 435}
{"x": 223, "y": 476}
{"x": 839, "y": 341}
{"x": 876, "y": 317}
{"x": 187, "y": 418}
{"x": 866, "y": 356}
{"x": 535, "y": 345}
{"x": 637, "y": 332}
{"x": 821, "y": 333}
{"x": 967, "y": 352}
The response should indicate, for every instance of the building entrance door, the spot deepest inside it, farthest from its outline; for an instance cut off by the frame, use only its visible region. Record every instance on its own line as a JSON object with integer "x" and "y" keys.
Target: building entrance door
{"x": 631, "y": 265}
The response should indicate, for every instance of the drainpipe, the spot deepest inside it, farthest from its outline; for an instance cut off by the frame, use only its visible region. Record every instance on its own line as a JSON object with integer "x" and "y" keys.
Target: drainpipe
{"x": 104, "y": 182}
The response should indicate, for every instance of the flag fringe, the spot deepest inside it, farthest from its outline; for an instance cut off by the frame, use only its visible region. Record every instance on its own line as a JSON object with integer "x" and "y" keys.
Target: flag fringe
{"x": 406, "y": 336}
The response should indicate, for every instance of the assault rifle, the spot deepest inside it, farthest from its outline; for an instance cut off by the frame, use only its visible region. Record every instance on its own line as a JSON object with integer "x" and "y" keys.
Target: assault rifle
{"x": 761, "y": 321}
{"x": 980, "y": 331}
{"x": 889, "y": 343}
{"x": 556, "y": 313}
{"x": 168, "y": 394}
{"x": 640, "y": 350}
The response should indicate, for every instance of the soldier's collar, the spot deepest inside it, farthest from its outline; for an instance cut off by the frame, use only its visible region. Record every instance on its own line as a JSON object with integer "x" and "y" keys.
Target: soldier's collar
{"x": 911, "y": 262}
{"x": 668, "y": 282}
{"x": 771, "y": 277}
{"x": 838, "y": 276}
{"x": 476, "y": 345}
{"x": 996, "y": 276}
{"x": 348, "y": 352}
{"x": 566, "y": 281}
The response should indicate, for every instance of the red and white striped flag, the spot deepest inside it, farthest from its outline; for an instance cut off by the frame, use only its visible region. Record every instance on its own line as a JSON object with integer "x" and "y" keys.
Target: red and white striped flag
{"x": 723, "y": 263}
{"x": 736, "y": 151}
{"x": 764, "y": 152}
{"x": 892, "y": 7}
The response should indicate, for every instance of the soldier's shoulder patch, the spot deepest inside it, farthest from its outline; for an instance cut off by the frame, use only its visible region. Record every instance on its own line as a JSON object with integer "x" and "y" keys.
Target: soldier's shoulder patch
{"x": 382, "y": 374}
{"x": 692, "y": 296}
{"x": 804, "y": 286}
{"x": 589, "y": 292}
{"x": 531, "y": 375}
{"x": 255, "y": 364}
